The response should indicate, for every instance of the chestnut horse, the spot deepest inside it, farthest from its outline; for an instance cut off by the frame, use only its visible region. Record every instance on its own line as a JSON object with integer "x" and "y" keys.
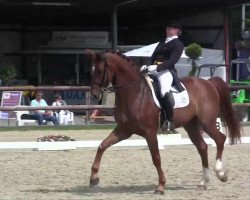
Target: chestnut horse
{"x": 136, "y": 113}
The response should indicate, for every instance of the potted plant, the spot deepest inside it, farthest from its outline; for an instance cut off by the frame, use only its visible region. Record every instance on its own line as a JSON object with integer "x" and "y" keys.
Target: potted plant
{"x": 7, "y": 72}
{"x": 243, "y": 45}
{"x": 246, "y": 32}
{"x": 193, "y": 51}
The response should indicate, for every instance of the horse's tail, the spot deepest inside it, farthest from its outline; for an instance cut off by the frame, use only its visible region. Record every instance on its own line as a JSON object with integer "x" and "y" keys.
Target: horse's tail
{"x": 226, "y": 108}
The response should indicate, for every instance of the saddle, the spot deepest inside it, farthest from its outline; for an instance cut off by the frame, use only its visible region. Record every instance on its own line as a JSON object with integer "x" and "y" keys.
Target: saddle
{"x": 178, "y": 93}
{"x": 175, "y": 84}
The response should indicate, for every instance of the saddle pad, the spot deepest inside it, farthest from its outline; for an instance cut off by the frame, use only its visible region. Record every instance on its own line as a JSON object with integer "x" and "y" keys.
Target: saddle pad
{"x": 181, "y": 99}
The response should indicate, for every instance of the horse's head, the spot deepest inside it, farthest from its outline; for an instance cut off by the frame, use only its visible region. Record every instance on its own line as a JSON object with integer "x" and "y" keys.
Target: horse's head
{"x": 112, "y": 68}
{"x": 101, "y": 73}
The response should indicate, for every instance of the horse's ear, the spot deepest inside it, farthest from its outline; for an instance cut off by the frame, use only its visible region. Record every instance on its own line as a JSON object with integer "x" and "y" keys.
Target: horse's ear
{"x": 98, "y": 57}
{"x": 91, "y": 54}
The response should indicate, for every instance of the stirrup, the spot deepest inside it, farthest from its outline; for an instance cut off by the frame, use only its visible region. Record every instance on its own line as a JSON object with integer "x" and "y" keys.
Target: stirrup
{"x": 164, "y": 127}
{"x": 171, "y": 128}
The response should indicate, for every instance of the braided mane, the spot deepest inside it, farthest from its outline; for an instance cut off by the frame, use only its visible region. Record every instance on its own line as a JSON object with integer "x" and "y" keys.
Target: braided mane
{"x": 122, "y": 56}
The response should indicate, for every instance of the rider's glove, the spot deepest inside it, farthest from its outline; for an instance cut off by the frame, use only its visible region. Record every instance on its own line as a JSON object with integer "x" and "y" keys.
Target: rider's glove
{"x": 144, "y": 69}
{"x": 152, "y": 67}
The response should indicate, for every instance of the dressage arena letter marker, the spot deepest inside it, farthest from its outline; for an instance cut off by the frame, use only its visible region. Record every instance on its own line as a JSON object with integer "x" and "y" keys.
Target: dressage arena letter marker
{"x": 219, "y": 125}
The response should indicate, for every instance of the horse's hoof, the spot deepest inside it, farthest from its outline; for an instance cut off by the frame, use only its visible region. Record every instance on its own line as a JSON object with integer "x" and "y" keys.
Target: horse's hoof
{"x": 159, "y": 192}
{"x": 93, "y": 182}
{"x": 225, "y": 177}
{"x": 201, "y": 188}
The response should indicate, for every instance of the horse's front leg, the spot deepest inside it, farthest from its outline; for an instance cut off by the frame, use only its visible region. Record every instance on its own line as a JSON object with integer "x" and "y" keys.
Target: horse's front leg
{"x": 156, "y": 158}
{"x": 115, "y": 136}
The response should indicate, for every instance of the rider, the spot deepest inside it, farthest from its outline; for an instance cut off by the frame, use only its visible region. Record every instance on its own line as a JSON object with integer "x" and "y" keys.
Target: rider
{"x": 163, "y": 60}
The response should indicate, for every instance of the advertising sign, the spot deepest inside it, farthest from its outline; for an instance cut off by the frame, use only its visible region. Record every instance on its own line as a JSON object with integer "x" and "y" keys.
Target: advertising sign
{"x": 10, "y": 98}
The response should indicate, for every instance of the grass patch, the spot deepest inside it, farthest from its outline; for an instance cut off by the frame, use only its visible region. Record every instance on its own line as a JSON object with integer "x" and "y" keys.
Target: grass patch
{"x": 68, "y": 127}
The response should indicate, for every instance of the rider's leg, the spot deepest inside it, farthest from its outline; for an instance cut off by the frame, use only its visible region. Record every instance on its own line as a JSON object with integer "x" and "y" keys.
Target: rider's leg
{"x": 165, "y": 79}
{"x": 168, "y": 106}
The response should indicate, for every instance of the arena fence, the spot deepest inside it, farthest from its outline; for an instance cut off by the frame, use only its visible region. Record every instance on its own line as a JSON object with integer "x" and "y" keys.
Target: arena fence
{"x": 87, "y": 107}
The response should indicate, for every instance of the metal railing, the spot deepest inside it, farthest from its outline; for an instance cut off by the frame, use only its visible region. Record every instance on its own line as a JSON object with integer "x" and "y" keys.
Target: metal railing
{"x": 87, "y": 107}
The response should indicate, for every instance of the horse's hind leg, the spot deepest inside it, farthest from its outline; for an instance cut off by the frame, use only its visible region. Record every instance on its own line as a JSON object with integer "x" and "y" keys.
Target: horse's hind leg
{"x": 193, "y": 130}
{"x": 219, "y": 139}
{"x": 115, "y": 136}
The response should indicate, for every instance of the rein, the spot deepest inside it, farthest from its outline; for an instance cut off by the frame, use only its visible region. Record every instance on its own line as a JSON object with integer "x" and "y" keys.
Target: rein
{"x": 116, "y": 88}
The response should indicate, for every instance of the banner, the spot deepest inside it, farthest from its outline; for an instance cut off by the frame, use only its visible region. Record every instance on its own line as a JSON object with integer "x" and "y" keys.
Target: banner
{"x": 79, "y": 38}
{"x": 12, "y": 98}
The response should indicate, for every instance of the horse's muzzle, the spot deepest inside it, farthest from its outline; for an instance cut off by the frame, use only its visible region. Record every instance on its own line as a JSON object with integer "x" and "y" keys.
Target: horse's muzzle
{"x": 96, "y": 92}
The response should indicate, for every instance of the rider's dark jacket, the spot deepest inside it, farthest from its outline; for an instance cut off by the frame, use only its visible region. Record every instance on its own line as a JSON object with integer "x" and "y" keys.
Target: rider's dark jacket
{"x": 168, "y": 54}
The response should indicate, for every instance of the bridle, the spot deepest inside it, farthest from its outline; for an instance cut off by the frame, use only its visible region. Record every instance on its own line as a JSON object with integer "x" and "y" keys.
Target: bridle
{"x": 104, "y": 84}
{"x": 105, "y": 77}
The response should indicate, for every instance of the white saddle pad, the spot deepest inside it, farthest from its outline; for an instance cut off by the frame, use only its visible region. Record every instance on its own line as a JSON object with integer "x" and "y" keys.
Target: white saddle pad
{"x": 181, "y": 99}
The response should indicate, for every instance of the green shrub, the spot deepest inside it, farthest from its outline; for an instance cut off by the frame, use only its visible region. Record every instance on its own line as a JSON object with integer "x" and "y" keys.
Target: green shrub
{"x": 247, "y": 24}
{"x": 7, "y": 71}
{"x": 193, "y": 51}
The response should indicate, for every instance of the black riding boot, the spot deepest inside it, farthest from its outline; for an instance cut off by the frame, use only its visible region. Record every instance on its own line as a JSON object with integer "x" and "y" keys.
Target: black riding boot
{"x": 168, "y": 105}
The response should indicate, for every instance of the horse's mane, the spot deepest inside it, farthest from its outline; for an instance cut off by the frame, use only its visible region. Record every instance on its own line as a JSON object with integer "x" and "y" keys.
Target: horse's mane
{"x": 123, "y": 56}
{"x": 98, "y": 56}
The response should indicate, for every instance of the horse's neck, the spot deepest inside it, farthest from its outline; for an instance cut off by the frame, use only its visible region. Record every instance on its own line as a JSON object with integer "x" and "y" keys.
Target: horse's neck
{"x": 126, "y": 79}
{"x": 128, "y": 82}
{"x": 124, "y": 70}
{"x": 131, "y": 91}
{"x": 126, "y": 75}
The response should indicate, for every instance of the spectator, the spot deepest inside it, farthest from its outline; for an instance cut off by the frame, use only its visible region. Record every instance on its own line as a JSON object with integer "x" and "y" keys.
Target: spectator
{"x": 41, "y": 115}
{"x": 63, "y": 115}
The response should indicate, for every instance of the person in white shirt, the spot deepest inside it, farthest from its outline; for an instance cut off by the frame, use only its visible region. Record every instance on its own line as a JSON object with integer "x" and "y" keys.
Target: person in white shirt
{"x": 41, "y": 115}
{"x": 63, "y": 115}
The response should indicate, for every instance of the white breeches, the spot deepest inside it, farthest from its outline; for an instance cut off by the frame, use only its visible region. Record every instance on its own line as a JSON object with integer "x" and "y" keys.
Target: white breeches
{"x": 63, "y": 117}
{"x": 165, "y": 79}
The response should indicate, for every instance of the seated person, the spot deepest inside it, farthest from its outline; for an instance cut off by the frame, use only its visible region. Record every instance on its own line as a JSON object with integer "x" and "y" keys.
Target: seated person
{"x": 41, "y": 115}
{"x": 63, "y": 115}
